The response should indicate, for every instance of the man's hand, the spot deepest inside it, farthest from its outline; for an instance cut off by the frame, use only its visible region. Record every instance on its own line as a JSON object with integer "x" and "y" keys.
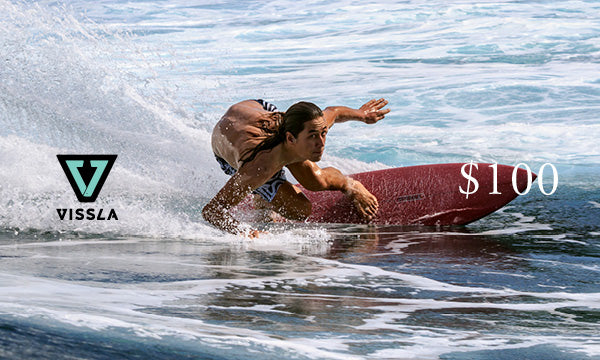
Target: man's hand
{"x": 373, "y": 110}
{"x": 365, "y": 202}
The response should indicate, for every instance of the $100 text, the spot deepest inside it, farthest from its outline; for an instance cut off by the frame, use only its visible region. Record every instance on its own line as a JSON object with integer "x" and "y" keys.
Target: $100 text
{"x": 470, "y": 179}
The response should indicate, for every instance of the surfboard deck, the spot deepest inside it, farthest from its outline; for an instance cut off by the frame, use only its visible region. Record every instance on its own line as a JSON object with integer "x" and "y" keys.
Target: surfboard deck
{"x": 421, "y": 195}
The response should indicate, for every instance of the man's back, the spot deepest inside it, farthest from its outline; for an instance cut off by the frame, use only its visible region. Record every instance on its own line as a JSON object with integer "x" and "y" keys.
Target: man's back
{"x": 240, "y": 130}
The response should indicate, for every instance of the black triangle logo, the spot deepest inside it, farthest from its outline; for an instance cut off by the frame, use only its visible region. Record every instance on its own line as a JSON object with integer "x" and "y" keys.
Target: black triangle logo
{"x": 86, "y": 173}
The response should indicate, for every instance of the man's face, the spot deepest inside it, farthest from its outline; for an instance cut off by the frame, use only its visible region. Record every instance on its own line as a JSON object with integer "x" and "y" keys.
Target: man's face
{"x": 310, "y": 142}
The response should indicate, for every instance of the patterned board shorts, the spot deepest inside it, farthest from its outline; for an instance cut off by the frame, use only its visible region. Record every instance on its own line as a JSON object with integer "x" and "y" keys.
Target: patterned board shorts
{"x": 269, "y": 189}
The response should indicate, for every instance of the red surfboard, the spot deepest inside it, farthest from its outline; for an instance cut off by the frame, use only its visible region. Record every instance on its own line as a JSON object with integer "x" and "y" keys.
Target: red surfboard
{"x": 425, "y": 195}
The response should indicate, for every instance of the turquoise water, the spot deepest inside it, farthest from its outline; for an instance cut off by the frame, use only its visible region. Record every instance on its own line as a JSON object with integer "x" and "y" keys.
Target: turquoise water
{"x": 506, "y": 82}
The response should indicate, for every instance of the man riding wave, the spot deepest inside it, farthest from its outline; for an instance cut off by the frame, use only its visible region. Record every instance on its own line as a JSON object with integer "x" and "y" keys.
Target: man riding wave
{"x": 253, "y": 142}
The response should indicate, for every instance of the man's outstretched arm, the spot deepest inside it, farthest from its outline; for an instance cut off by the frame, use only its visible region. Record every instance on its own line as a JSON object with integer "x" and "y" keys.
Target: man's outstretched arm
{"x": 371, "y": 112}
{"x": 313, "y": 178}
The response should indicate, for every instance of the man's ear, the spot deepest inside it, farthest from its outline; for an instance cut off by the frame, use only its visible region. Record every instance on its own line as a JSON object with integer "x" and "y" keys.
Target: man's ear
{"x": 290, "y": 138}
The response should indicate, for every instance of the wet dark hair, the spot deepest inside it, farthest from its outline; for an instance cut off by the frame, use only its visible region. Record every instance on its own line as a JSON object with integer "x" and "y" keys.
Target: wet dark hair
{"x": 291, "y": 121}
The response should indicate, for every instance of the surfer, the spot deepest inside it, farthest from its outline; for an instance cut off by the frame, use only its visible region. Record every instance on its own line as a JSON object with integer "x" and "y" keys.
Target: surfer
{"x": 253, "y": 141}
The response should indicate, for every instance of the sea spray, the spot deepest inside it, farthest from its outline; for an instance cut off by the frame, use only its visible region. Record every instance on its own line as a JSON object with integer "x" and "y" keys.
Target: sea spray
{"x": 66, "y": 88}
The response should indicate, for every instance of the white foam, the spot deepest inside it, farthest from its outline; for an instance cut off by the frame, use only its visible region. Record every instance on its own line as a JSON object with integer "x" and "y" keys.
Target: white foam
{"x": 100, "y": 308}
{"x": 104, "y": 306}
{"x": 474, "y": 341}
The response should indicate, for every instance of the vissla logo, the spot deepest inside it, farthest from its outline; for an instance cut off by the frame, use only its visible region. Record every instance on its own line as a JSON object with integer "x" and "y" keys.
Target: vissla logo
{"x": 86, "y": 174}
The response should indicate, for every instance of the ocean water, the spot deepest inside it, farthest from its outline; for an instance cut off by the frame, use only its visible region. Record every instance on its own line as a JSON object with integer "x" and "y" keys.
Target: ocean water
{"x": 489, "y": 81}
